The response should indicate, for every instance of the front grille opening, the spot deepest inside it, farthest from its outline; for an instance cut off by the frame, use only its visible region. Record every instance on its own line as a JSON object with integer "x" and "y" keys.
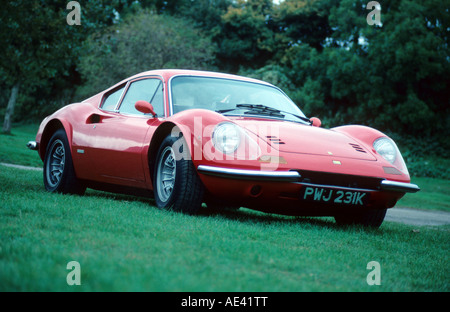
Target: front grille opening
{"x": 336, "y": 179}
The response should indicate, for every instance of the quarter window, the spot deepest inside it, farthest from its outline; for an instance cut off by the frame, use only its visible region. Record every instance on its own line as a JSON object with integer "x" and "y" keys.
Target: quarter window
{"x": 150, "y": 90}
{"x": 112, "y": 99}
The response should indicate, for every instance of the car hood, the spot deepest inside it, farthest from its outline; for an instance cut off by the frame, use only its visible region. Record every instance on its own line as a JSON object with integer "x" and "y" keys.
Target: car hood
{"x": 291, "y": 137}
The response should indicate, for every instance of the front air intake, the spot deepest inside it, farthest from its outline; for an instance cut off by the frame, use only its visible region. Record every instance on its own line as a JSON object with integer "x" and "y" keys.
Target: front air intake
{"x": 273, "y": 139}
{"x": 357, "y": 148}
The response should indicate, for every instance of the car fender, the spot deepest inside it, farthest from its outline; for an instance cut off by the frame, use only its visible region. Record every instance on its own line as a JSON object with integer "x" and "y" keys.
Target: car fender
{"x": 66, "y": 117}
{"x": 194, "y": 125}
{"x": 363, "y": 134}
{"x": 367, "y": 136}
{"x": 48, "y": 128}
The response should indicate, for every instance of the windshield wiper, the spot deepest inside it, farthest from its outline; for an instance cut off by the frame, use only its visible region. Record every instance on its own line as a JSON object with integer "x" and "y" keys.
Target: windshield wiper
{"x": 264, "y": 110}
{"x": 260, "y": 110}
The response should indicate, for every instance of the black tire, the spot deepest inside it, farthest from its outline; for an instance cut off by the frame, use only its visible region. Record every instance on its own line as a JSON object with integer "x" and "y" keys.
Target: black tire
{"x": 59, "y": 174}
{"x": 369, "y": 218}
{"x": 176, "y": 185}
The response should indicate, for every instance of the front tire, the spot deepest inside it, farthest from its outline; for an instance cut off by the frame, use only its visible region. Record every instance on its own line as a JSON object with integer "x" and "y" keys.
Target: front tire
{"x": 59, "y": 174}
{"x": 176, "y": 184}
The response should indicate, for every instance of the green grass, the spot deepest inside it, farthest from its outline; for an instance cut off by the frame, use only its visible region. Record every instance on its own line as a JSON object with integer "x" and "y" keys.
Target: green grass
{"x": 13, "y": 147}
{"x": 434, "y": 194}
{"x": 124, "y": 243}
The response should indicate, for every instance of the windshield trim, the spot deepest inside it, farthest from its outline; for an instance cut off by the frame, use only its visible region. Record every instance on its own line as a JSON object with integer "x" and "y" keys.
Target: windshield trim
{"x": 263, "y": 83}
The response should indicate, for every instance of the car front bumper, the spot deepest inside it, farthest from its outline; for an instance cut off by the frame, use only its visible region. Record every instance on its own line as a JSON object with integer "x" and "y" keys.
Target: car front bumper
{"x": 292, "y": 176}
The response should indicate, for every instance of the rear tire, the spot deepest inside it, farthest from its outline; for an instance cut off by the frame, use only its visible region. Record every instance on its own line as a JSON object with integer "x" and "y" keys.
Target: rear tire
{"x": 176, "y": 185}
{"x": 370, "y": 218}
{"x": 59, "y": 174}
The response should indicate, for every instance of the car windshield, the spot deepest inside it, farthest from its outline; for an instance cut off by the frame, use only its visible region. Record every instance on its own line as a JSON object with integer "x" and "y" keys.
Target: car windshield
{"x": 232, "y": 97}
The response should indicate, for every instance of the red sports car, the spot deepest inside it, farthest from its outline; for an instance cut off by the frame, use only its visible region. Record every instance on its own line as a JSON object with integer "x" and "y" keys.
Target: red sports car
{"x": 194, "y": 137}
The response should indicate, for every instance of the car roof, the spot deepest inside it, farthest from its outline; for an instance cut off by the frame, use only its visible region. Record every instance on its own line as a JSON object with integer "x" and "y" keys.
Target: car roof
{"x": 169, "y": 73}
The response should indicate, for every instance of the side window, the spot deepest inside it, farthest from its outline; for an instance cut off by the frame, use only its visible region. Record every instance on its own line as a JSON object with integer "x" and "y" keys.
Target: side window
{"x": 150, "y": 90}
{"x": 112, "y": 99}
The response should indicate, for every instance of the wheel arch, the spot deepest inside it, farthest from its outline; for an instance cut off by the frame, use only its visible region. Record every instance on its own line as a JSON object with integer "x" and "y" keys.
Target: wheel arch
{"x": 188, "y": 123}
{"x": 160, "y": 134}
{"x": 51, "y": 127}
{"x": 187, "y": 190}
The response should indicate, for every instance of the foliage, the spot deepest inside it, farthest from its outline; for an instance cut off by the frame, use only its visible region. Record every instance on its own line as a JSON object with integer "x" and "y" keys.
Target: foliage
{"x": 40, "y": 50}
{"x": 142, "y": 42}
{"x": 392, "y": 77}
{"x": 326, "y": 57}
{"x": 424, "y": 157}
{"x": 246, "y": 36}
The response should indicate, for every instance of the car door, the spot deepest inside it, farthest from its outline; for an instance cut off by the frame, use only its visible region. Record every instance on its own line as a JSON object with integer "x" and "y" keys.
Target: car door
{"x": 120, "y": 136}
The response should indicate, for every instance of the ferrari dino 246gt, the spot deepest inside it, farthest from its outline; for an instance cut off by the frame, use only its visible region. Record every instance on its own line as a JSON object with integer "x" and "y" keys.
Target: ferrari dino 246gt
{"x": 192, "y": 137}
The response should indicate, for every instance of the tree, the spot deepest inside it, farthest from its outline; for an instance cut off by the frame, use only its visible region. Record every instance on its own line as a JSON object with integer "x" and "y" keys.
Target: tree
{"x": 40, "y": 50}
{"x": 394, "y": 77}
{"x": 304, "y": 21}
{"x": 246, "y": 37}
{"x": 24, "y": 55}
{"x": 142, "y": 42}
{"x": 10, "y": 108}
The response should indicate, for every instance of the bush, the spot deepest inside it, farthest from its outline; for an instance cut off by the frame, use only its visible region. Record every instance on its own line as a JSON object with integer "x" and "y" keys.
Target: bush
{"x": 425, "y": 156}
{"x": 144, "y": 41}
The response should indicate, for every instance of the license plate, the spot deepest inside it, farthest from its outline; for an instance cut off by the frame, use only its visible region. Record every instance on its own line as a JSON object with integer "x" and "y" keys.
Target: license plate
{"x": 334, "y": 196}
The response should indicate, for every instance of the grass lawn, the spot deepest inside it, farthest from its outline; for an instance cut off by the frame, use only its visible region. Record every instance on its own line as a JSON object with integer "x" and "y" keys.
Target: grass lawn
{"x": 124, "y": 243}
{"x": 434, "y": 194}
{"x": 13, "y": 147}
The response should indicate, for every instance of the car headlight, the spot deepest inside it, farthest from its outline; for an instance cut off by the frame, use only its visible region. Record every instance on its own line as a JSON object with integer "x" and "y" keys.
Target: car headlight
{"x": 386, "y": 148}
{"x": 389, "y": 151}
{"x": 226, "y": 137}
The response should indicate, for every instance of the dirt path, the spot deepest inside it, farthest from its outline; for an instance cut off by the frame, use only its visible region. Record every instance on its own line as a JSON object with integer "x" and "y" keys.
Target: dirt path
{"x": 21, "y": 167}
{"x": 418, "y": 217}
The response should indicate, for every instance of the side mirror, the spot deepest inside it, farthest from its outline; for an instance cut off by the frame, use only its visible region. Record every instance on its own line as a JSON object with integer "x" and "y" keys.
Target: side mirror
{"x": 145, "y": 107}
{"x": 315, "y": 121}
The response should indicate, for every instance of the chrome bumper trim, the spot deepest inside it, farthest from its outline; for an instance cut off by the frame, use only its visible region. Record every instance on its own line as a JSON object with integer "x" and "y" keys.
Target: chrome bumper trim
{"x": 399, "y": 186}
{"x": 242, "y": 174}
{"x": 32, "y": 145}
{"x": 292, "y": 176}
